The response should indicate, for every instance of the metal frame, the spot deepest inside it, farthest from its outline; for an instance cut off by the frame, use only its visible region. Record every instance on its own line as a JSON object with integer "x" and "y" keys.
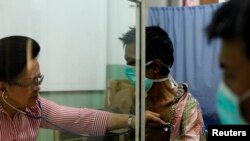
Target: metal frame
{"x": 140, "y": 69}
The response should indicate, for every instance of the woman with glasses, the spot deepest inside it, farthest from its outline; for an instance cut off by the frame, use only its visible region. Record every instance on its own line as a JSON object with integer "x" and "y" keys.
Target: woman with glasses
{"x": 23, "y": 111}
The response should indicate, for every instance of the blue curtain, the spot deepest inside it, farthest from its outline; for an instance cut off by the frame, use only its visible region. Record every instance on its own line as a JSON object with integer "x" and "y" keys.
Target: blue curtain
{"x": 196, "y": 60}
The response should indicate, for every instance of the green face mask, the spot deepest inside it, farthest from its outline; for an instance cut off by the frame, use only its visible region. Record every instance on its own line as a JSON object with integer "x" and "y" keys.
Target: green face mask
{"x": 228, "y": 105}
{"x": 130, "y": 73}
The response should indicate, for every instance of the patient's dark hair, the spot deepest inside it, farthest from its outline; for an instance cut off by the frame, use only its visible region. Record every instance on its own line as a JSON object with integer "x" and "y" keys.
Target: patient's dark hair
{"x": 158, "y": 45}
{"x": 13, "y": 56}
{"x": 231, "y": 20}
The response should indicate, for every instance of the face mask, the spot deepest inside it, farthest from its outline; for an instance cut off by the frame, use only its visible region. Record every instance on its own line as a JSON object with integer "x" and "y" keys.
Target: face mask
{"x": 130, "y": 73}
{"x": 173, "y": 83}
{"x": 228, "y": 105}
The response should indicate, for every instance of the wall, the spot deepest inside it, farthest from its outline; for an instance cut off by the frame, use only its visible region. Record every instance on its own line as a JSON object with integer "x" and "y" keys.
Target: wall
{"x": 71, "y": 36}
{"x": 77, "y": 38}
{"x": 121, "y": 16}
{"x": 157, "y": 2}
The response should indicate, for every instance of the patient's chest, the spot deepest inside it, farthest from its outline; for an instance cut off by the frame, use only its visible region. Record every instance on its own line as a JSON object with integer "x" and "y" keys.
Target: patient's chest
{"x": 158, "y": 133}
{"x": 161, "y": 107}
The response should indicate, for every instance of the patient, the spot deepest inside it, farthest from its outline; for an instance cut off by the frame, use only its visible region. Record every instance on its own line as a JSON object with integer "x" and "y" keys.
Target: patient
{"x": 172, "y": 101}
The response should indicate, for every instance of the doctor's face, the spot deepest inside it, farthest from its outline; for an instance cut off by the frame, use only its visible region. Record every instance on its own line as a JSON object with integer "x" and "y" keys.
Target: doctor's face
{"x": 235, "y": 65}
{"x": 23, "y": 91}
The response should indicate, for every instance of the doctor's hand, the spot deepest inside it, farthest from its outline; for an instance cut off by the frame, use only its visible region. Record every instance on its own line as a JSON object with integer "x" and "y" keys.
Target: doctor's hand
{"x": 154, "y": 119}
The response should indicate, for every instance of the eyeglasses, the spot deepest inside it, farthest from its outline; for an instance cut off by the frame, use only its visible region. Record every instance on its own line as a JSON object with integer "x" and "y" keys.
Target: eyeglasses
{"x": 35, "y": 82}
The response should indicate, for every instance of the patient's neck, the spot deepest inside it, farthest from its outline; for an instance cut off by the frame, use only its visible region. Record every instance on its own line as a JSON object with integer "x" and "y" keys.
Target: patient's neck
{"x": 162, "y": 91}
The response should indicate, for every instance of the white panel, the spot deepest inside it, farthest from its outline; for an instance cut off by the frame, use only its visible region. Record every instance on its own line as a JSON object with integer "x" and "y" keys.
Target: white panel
{"x": 72, "y": 35}
{"x": 121, "y": 16}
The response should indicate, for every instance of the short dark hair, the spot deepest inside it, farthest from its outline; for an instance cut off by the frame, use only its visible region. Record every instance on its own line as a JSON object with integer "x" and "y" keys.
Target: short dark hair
{"x": 13, "y": 56}
{"x": 231, "y": 20}
{"x": 158, "y": 45}
{"x": 128, "y": 37}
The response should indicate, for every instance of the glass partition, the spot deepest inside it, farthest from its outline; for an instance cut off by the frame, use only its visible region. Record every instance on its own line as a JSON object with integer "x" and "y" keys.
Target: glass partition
{"x": 125, "y": 88}
{"x": 85, "y": 58}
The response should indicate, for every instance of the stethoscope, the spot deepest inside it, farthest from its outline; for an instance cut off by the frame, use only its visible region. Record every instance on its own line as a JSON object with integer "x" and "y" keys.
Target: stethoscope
{"x": 23, "y": 112}
{"x": 4, "y": 96}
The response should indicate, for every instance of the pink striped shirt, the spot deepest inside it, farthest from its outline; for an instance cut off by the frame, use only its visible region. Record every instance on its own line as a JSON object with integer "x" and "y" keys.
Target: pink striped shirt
{"x": 24, "y": 128}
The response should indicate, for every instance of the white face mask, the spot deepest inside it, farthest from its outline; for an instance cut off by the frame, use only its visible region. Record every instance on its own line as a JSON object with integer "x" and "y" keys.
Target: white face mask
{"x": 172, "y": 81}
{"x": 130, "y": 73}
{"x": 228, "y": 105}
